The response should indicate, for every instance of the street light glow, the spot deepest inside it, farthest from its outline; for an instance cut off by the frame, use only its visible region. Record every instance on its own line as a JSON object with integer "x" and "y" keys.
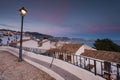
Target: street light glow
{"x": 23, "y": 11}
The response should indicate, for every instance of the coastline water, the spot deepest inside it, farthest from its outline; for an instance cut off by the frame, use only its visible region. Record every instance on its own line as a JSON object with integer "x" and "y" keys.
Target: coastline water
{"x": 91, "y": 43}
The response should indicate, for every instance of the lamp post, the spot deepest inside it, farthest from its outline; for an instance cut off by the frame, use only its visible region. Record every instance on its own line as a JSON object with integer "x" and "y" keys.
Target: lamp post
{"x": 23, "y": 12}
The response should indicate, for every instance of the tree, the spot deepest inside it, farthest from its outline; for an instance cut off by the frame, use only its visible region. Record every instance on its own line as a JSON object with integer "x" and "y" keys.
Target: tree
{"x": 0, "y": 41}
{"x": 107, "y": 45}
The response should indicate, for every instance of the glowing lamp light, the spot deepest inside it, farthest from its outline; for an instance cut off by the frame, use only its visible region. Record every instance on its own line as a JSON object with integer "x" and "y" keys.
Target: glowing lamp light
{"x": 23, "y": 11}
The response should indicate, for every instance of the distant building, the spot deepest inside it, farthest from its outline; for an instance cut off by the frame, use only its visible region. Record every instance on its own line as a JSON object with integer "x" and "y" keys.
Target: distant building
{"x": 29, "y": 43}
{"x": 45, "y": 44}
{"x": 7, "y": 37}
{"x": 60, "y": 44}
{"x": 1, "y": 34}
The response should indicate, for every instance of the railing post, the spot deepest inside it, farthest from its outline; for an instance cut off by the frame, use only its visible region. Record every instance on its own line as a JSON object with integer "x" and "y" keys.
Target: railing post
{"x": 73, "y": 59}
{"x": 89, "y": 64}
{"x": 63, "y": 56}
{"x": 76, "y": 60}
{"x": 55, "y": 54}
{"x": 52, "y": 60}
{"x": 101, "y": 69}
{"x": 109, "y": 70}
{"x": 95, "y": 67}
{"x": 84, "y": 63}
{"x": 118, "y": 71}
{"x": 80, "y": 62}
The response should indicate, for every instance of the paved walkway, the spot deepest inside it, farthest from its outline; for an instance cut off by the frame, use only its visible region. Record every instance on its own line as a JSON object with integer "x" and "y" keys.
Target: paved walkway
{"x": 65, "y": 74}
{"x": 11, "y": 69}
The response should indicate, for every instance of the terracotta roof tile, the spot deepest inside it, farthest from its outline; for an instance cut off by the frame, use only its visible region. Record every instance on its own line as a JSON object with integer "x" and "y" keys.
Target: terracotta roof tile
{"x": 66, "y": 48}
{"x": 72, "y": 48}
{"x": 16, "y": 42}
{"x": 103, "y": 55}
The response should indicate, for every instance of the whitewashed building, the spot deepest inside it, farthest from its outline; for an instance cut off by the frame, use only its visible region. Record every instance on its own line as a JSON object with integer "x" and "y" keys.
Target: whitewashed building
{"x": 29, "y": 43}
{"x": 32, "y": 43}
{"x": 8, "y": 37}
{"x": 46, "y": 44}
{"x": 67, "y": 51}
{"x": 107, "y": 63}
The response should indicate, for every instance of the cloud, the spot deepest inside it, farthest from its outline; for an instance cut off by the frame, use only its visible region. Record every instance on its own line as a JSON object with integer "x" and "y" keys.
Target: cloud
{"x": 51, "y": 12}
{"x": 104, "y": 29}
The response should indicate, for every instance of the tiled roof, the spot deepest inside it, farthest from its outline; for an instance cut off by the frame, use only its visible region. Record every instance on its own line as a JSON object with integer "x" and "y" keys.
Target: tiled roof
{"x": 72, "y": 48}
{"x": 24, "y": 40}
{"x": 67, "y": 48}
{"x": 103, "y": 55}
{"x": 53, "y": 50}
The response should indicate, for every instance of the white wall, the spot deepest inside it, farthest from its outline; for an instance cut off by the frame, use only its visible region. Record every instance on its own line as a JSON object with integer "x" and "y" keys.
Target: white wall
{"x": 26, "y": 37}
{"x": 88, "y": 47}
{"x": 52, "y": 44}
{"x": 80, "y": 50}
{"x": 46, "y": 45}
{"x": 34, "y": 44}
{"x": 30, "y": 44}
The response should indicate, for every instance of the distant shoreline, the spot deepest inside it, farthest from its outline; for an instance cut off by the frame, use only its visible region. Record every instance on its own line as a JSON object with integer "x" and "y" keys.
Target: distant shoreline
{"x": 91, "y": 43}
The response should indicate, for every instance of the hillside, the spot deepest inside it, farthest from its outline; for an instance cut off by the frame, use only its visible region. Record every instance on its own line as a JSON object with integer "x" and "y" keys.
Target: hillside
{"x": 38, "y": 35}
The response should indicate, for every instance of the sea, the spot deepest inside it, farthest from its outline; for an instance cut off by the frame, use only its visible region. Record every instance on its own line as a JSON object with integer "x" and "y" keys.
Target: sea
{"x": 91, "y": 43}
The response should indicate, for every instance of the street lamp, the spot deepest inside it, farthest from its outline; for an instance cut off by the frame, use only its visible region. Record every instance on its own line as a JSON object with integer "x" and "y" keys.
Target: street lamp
{"x": 23, "y": 12}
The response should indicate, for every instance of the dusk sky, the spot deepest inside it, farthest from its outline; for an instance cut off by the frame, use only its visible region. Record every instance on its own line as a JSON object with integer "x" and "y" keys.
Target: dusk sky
{"x": 89, "y": 19}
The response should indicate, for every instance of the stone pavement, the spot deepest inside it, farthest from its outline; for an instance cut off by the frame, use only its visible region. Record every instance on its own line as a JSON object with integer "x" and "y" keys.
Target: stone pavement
{"x": 11, "y": 69}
